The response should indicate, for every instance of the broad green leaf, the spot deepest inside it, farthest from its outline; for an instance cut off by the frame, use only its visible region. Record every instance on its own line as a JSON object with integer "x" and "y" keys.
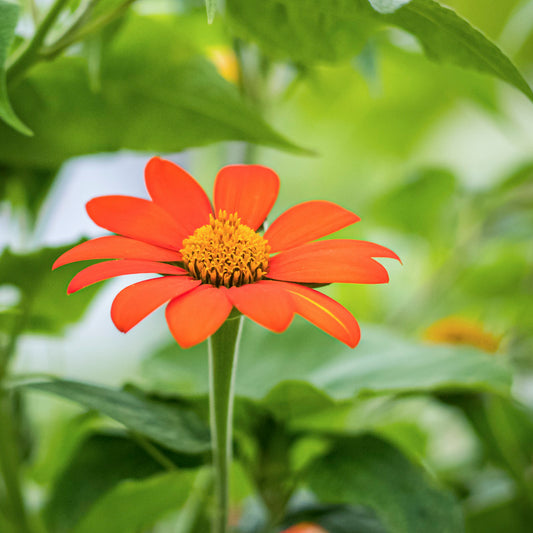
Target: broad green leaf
{"x": 157, "y": 94}
{"x": 307, "y": 31}
{"x": 321, "y": 370}
{"x": 173, "y": 426}
{"x": 137, "y": 505}
{"x": 98, "y": 465}
{"x": 445, "y": 36}
{"x": 9, "y": 13}
{"x": 44, "y": 305}
{"x": 314, "y": 31}
{"x": 369, "y": 471}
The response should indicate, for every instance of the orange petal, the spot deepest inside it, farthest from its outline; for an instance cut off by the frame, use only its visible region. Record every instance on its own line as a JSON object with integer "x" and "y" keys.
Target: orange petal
{"x": 114, "y": 247}
{"x": 325, "y": 313}
{"x": 197, "y": 314}
{"x": 249, "y": 190}
{"x": 137, "y": 301}
{"x": 178, "y": 193}
{"x": 306, "y": 222}
{"x": 136, "y": 218}
{"x": 120, "y": 267}
{"x": 335, "y": 260}
{"x": 265, "y": 302}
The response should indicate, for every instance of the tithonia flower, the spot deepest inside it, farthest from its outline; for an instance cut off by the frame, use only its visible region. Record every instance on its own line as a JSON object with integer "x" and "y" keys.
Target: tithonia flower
{"x": 225, "y": 61}
{"x": 305, "y": 527}
{"x": 462, "y": 331}
{"x": 212, "y": 259}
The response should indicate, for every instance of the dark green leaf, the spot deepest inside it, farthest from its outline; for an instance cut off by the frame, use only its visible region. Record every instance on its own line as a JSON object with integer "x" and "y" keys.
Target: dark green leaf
{"x": 321, "y": 370}
{"x": 312, "y": 31}
{"x": 9, "y": 13}
{"x": 369, "y": 471}
{"x": 175, "y": 427}
{"x": 39, "y": 285}
{"x": 157, "y": 94}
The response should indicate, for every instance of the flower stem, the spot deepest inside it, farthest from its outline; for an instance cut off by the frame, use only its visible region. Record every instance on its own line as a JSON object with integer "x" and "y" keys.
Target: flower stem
{"x": 223, "y": 347}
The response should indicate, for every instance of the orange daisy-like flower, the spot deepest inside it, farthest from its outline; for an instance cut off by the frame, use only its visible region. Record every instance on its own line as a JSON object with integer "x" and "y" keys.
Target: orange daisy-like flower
{"x": 305, "y": 527}
{"x": 214, "y": 260}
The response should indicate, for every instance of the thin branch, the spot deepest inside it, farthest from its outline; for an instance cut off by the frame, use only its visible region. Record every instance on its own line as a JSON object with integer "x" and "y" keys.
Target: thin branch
{"x": 29, "y": 54}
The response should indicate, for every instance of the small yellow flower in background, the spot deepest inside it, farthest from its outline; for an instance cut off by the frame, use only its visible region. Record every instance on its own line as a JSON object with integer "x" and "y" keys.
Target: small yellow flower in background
{"x": 225, "y": 62}
{"x": 463, "y": 331}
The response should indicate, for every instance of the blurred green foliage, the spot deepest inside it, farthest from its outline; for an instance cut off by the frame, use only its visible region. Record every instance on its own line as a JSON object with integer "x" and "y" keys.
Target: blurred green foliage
{"x": 382, "y": 106}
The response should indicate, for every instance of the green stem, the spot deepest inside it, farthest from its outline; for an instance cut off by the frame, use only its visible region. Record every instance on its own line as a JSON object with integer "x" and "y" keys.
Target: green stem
{"x": 29, "y": 54}
{"x": 223, "y": 347}
{"x": 80, "y": 30}
{"x": 9, "y": 465}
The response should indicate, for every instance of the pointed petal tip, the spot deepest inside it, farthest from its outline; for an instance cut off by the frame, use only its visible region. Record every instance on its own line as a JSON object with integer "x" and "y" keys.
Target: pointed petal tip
{"x": 71, "y": 289}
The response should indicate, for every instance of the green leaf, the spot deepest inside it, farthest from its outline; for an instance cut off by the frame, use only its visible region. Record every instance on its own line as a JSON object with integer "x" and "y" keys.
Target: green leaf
{"x": 321, "y": 370}
{"x": 137, "y": 505}
{"x": 445, "y": 36}
{"x": 211, "y": 8}
{"x": 44, "y": 305}
{"x": 314, "y": 31}
{"x": 98, "y": 465}
{"x": 157, "y": 94}
{"x": 9, "y": 13}
{"x": 369, "y": 471}
{"x": 175, "y": 427}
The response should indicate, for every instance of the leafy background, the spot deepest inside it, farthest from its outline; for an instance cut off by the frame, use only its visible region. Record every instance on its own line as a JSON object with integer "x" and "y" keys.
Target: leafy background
{"x": 414, "y": 114}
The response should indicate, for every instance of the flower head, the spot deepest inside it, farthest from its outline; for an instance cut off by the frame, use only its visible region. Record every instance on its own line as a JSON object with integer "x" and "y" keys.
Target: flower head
{"x": 305, "y": 527}
{"x": 213, "y": 259}
{"x": 462, "y": 331}
{"x": 225, "y": 61}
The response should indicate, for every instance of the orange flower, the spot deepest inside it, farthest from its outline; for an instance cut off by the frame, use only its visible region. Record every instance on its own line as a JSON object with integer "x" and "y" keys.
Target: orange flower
{"x": 305, "y": 527}
{"x": 463, "y": 331}
{"x": 225, "y": 62}
{"x": 213, "y": 260}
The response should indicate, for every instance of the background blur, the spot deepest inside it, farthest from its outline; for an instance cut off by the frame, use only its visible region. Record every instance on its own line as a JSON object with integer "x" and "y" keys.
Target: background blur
{"x": 435, "y": 159}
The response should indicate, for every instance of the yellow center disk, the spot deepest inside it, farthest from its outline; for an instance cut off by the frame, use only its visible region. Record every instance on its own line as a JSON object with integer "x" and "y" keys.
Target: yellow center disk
{"x": 226, "y": 252}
